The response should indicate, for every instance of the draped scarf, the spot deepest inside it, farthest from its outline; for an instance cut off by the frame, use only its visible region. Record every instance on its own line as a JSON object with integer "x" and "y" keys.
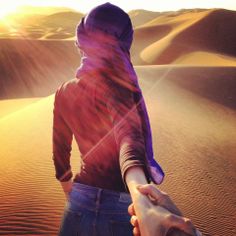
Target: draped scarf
{"x": 104, "y": 37}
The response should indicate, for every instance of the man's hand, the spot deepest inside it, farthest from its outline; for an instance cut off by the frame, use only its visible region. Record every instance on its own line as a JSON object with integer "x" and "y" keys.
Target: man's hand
{"x": 158, "y": 222}
{"x": 164, "y": 214}
{"x": 159, "y": 197}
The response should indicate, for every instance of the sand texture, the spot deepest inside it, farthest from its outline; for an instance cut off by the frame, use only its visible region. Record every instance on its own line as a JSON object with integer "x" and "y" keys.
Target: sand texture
{"x": 186, "y": 65}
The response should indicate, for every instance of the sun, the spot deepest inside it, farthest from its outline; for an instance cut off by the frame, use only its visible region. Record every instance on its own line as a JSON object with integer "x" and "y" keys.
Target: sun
{"x": 6, "y": 10}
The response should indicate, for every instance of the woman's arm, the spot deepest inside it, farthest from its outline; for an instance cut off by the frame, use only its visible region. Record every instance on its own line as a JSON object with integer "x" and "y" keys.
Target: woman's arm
{"x": 130, "y": 141}
{"x": 61, "y": 141}
{"x": 127, "y": 129}
{"x": 134, "y": 176}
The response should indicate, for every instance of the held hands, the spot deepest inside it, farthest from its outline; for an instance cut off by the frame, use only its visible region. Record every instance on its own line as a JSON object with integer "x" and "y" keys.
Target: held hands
{"x": 160, "y": 216}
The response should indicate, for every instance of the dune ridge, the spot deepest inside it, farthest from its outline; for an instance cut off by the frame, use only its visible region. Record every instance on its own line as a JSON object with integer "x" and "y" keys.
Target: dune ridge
{"x": 206, "y": 31}
{"x": 32, "y": 68}
{"x": 9, "y": 106}
{"x": 140, "y": 17}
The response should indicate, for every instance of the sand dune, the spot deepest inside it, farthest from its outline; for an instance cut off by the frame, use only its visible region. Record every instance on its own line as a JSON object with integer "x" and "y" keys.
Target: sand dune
{"x": 53, "y": 24}
{"x": 206, "y": 58}
{"x": 9, "y": 106}
{"x": 217, "y": 84}
{"x": 195, "y": 136}
{"x": 140, "y": 17}
{"x": 210, "y": 31}
{"x": 32, "y": 68}
{"x": 27, "y": 186}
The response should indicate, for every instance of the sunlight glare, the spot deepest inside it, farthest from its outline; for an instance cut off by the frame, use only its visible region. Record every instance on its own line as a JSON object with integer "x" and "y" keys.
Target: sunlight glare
{"x": 6, "y": 10}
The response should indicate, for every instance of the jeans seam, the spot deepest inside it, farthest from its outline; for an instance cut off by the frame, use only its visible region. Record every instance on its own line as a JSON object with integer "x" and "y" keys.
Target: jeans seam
{"x": 101, "y": 211}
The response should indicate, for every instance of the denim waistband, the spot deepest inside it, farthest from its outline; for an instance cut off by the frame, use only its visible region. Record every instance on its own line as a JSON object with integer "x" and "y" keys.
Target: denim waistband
{"x": 97, "y": 199}
{"x": 96, "y": 191}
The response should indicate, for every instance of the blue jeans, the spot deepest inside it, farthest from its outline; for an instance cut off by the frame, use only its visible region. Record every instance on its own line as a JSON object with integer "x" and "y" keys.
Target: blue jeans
{"x": 92, "y": 211}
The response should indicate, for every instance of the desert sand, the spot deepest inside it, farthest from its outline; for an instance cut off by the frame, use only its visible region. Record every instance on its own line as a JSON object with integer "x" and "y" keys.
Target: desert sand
{"x": 186, "y": 64}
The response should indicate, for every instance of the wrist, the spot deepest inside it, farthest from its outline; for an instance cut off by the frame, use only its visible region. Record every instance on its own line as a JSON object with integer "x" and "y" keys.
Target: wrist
{"x": 142, "y": 200}
{"x": 142, "y": 205}
{"x": 66, "y": 186}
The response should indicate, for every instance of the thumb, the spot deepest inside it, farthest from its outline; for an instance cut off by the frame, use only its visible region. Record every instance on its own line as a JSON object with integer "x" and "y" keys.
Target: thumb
{"x": 182, "y": 223}
{"x": 150, "y": 190}
{"x": 131, "y": 210}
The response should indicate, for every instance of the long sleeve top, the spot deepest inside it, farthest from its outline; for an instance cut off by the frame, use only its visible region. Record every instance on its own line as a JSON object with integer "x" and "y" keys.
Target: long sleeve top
{"x": 105, "y": 121}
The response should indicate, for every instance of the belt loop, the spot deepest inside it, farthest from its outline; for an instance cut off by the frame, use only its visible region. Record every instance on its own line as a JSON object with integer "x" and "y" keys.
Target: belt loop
{"x": 124, "y": 197}
{"x": 98, "y": 197}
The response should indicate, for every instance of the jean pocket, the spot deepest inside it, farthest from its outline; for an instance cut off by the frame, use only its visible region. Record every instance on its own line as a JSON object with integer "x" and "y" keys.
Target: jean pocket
{"x": 70, "y": 223}
{"x": 119, "y": 228}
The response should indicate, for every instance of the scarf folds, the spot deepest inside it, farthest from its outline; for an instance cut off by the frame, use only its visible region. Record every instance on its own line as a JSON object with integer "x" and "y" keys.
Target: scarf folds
{"x": 105, "y": 51}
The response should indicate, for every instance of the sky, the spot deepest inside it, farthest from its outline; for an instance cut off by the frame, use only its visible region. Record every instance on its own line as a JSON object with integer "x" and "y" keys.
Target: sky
{"x": 152, "y": 5}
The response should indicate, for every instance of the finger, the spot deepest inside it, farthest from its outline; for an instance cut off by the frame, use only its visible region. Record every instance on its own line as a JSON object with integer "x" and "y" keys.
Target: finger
{"x": 131, "y": 210}
{"x": 149, "y": 189}
{"x": 181, "y": 223}
{"x": 173, "y": 209}
{"x": 198, "y": 233}
{"x": 160, "y": 198}
{"x": 136, "y": 231}
{"x": 134, "y": 221}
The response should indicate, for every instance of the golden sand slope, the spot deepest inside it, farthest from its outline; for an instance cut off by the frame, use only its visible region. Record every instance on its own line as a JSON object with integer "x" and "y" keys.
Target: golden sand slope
{"x": 140, "y": 17}
{"x": 33, "y": 68}
{"x": 31, "y": 200}
{"x": 170, "y": 37}
{"x": 9, "y": 106}
{"x": 193, "y": 137}
{"x": 40, "y": 23}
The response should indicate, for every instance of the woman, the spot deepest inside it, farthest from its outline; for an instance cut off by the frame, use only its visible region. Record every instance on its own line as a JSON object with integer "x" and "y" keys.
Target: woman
{"x": 103, "y": 108}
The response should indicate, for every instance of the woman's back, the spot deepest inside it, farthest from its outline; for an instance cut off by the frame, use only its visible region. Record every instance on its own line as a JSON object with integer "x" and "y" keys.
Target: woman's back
{"x": 83, "y": 108}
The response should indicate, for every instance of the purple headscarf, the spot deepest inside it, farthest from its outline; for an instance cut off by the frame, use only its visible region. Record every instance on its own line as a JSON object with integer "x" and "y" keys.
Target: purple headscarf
{"x": 110, "y": 20}
{"x": 105, "y": 36}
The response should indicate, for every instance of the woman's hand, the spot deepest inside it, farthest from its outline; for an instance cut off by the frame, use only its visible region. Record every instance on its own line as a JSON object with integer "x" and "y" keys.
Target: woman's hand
{"x": 159, "y": 219}
{"x": 67, "y": 187}
{"x": 67, "y": 195}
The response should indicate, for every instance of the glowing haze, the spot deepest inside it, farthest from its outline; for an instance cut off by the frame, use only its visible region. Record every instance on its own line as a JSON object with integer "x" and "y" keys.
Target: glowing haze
{"x": 84, "y": 6}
